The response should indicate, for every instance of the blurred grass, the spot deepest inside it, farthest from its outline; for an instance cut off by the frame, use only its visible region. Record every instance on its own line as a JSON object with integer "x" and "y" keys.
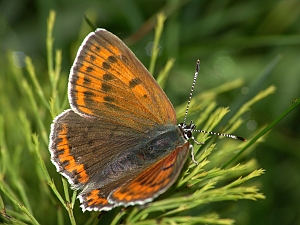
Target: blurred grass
{"x": 233, "y": 39}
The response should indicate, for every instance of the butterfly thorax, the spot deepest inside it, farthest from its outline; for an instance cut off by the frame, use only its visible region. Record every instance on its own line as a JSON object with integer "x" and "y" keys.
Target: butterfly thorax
{"x": 161, "y": 144}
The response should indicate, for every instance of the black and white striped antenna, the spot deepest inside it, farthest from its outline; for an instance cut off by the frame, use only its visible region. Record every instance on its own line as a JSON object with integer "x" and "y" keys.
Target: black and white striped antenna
{"x": 188, "y": 129}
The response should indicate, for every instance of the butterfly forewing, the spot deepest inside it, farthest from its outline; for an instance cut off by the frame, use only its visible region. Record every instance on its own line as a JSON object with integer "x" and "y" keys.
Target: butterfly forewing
{"x": 107, "y": 80}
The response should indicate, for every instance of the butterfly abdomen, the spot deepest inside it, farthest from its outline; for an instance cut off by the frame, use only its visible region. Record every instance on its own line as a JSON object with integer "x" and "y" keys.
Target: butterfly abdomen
{"x": 161, "y": 144}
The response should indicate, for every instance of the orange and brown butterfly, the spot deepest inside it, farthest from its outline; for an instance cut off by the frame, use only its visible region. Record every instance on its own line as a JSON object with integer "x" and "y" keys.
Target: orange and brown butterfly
{"x": 119, "y": 143}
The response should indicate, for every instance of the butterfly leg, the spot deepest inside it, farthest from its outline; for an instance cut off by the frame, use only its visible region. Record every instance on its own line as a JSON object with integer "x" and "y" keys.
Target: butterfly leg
{"x": 197, "y": 142}
{"x": 193, "y": 155}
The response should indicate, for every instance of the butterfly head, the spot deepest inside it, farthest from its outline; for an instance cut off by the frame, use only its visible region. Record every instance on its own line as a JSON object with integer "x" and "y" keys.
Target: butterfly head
{"x": 187, "y": 129}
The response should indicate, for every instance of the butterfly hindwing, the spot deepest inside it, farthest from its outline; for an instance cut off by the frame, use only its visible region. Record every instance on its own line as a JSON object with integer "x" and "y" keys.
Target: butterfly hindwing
{"x": 76, "y": 150}
{"x": 153, "y": 181}
{"x": 140, "y": 188}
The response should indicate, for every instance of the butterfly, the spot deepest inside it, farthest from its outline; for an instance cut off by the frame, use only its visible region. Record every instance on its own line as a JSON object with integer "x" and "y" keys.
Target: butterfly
{"x": 120, "y": 143}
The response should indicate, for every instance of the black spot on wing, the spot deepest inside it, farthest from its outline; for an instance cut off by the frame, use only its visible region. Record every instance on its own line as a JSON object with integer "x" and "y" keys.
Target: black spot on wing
{"x": 106, "y": 65}
{"x": 92, "y": 57}
{"x": 106, "y": 87}
{"x": 112, "y": 59}
{"x": 109, "y": 99}
{"x": 134, "y": 82}
{"x": 108, "y": 77}
{"x": 89, "y": 69}
{"x": 86, "y": 81}
{"x": 88, "y": 97}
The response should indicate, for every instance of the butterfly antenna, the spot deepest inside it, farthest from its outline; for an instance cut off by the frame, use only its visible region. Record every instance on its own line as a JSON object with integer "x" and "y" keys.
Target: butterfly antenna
{"x": 221, "y": 134}
{"x": 191, "y": 127}
{"x": 188, "y": 106}
{"x": 192, "y": 90}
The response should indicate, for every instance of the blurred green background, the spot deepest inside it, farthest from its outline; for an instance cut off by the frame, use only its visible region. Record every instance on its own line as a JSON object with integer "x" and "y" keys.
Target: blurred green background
{"x": 232, "y": 38}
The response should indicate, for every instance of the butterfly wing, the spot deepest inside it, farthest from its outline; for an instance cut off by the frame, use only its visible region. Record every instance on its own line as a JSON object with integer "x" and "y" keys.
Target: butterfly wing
{"x": 107, "y": 80}
{"x": 81, "y": 147}
{"x": 153, "y": 181}
{"x": 146, "y": 185}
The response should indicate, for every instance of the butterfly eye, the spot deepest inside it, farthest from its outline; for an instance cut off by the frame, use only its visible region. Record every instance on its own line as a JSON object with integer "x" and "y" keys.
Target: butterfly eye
{"x": 189, "y": 134}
